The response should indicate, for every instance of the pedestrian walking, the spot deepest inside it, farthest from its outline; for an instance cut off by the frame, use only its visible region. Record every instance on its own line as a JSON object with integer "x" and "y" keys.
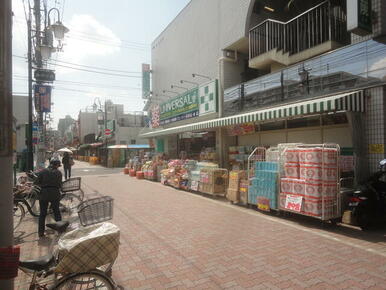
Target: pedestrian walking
{"x": 50, "y": 181}
{"x": 67, "y": 164}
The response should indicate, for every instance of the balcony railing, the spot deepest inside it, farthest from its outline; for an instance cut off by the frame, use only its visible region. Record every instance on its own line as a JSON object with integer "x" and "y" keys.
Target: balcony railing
{"x": 309, "y": 29}
{"x": 351, "y": 67}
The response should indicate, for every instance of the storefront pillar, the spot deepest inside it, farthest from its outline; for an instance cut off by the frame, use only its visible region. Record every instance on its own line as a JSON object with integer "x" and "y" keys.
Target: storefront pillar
{"x": 357, "y": 127}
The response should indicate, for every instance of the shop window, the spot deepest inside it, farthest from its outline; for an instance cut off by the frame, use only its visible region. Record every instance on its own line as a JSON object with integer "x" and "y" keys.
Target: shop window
{"x": 334, "y": 119}
{"x": 202, "y": 100}
{"x": 279, "y": 125}
{"x": 312, "y": 121}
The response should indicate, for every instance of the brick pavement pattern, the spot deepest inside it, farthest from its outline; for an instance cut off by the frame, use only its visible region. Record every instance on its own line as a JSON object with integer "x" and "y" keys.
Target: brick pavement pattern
{"x": 172, "y": 239}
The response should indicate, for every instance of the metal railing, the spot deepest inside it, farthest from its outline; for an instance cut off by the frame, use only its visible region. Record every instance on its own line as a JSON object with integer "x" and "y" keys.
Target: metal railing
{"x": 309, "y": 29}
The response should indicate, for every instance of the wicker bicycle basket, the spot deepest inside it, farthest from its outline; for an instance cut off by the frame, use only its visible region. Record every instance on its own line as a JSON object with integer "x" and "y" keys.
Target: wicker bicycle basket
{"x": 95, "y": 210}
{"x": 72, "y": 184}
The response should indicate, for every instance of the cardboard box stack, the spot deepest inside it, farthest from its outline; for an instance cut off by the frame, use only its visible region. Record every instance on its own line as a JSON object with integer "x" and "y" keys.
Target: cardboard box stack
{"x": 311, "y": 173}
{"x": 213, "y": 181}
{"x": 233, "y": 192}
{"x": 264, "y": 184}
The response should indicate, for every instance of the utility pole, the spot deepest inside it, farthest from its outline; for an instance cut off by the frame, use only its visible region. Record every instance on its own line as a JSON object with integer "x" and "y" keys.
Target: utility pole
{"x": 6, "y": 131}
{"x": 39, "y": 64}
{"x": 30, "y": 154}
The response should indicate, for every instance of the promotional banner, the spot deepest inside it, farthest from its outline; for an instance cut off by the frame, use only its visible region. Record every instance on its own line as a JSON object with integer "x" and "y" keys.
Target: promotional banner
{"x": 42, "y": 98}
{"x": 145, "y": 80}
{"x": 241, "y": 129}
{"x": 182, "y": 107}
{"x": 155, "y": 122}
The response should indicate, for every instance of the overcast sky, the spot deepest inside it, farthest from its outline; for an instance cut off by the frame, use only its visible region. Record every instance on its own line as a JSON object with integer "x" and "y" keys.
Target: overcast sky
{"x": 115, "y": 35}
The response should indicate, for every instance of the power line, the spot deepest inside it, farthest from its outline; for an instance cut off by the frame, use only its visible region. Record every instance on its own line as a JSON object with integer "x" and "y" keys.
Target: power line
{"x": 97, "y": 72}
{"x": 87, "y": 66}
{"x": 109, "y": 44}
{"x": 89, "y": 92}
{"x": 98, "y": 37}
{"x": 101, "y": 68}
{"x": 20, "y": 78}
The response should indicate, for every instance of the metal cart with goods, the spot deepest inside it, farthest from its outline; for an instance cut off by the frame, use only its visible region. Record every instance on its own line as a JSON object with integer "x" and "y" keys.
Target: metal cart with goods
{"x": 309, "y": 180}
{"x": 263, "y": 179}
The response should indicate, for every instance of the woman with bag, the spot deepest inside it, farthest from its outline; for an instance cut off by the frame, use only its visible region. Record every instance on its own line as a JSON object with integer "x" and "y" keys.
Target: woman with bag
{"x": 67, "y": 164}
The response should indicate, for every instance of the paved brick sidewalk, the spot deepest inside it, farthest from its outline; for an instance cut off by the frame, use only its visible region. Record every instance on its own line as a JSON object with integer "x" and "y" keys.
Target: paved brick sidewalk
{"x": 171, "y": 238}
{"x": 175, "y": 239}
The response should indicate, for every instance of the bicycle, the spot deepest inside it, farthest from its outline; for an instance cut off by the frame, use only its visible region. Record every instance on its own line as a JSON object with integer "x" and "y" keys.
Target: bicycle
{"x": 59, "y": 266}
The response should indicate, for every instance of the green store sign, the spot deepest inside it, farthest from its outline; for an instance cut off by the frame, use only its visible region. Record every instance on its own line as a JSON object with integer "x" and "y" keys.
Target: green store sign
{"x": 183, "y": 107}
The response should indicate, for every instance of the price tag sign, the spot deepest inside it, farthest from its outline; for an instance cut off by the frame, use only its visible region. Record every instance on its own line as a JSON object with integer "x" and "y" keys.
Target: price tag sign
{"x": 294, "y": 202}
{"x": 194, "y": 185}
{"x": 263, "y": 203}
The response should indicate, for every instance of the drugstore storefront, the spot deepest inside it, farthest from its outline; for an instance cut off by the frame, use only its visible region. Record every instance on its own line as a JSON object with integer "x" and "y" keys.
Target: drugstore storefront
{"x": 320, "y": 120}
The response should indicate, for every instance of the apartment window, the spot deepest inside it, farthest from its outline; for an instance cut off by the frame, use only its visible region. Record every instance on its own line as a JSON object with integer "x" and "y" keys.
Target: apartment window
{"x": 132, "y": 141}
{"x": 122, "y": 142}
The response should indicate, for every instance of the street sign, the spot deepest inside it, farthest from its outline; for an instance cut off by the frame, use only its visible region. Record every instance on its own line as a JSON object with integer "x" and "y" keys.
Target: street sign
{"x": 44, "y": 75}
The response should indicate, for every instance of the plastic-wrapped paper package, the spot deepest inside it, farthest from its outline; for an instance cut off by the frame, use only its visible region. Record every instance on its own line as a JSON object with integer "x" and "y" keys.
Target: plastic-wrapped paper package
{"x": 313, "y": 207}
{"x": 330, "y": 174}
{"x": 287, "y": 185}
{"x": 330, "y": 189}
{"x": 291, "y": 155}
{"x": 299, "y": 187}
{"x": 313, "y": 189}
{"x": 319, "y": 156}
{"x": 330, "y": 157}
{"x": 291, "y": 170}
{"x": 87, "y": 248}
{"x": 311, "y": 156}
{"x": 311, "y": 172}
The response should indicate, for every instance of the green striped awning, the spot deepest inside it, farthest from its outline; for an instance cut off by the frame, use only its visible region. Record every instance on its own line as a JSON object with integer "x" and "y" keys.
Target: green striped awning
{"x": 353, "y": 101}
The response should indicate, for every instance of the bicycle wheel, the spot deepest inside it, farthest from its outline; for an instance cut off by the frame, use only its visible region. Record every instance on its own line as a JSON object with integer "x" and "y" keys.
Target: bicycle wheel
{"x": 34, "y": 210}
{"x": 34, "y": 203}
{"x": 18, "y": 215}
{"x": 88, "y": 280}
{"x": 69, "y": 202}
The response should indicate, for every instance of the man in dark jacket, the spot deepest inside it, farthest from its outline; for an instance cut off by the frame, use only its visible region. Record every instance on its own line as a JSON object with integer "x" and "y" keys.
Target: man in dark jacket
{"x": 50, "y": 181}
{"x": 67, "y": 163}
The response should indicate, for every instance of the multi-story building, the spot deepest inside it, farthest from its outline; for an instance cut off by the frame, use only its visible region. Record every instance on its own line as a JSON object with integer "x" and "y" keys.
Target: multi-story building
{"x": 64, "y": 124}
{"x": 125, "y": 127}
{"x": 287, "y": 72}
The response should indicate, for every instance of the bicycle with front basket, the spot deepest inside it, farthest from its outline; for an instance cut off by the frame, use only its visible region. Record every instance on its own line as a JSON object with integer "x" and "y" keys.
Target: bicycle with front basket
{"x": 89, "y": 273}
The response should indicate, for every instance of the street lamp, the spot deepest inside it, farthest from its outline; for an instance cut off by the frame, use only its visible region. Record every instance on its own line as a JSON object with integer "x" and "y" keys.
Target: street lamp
{"x": 189, "y": 82}
{"x": 178, "y": 87}
{"x": 45, "y": 51}
{"x": 57, "y": 28}
{"x": 202, "y": 76}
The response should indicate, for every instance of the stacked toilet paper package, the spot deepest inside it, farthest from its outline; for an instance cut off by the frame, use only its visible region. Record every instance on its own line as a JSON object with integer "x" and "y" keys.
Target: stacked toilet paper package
{"x": 264, "y": 183}
{"x": 312, "y": 173}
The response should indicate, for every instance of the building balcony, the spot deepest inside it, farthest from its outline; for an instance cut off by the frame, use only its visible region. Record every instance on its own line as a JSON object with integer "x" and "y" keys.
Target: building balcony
{"x": 274, "y": 44}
